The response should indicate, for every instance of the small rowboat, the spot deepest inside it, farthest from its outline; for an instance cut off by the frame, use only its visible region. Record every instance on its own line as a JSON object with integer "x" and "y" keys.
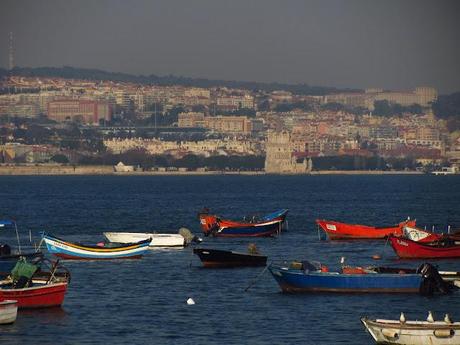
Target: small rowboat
{"x": 226, "y": 258}
{"x": 157, "y": 240}
{"x": 342, "y": 231}
{"x": 313, "y": 277}
{"x": 75, "y": 251}
{"x": 264, "y": 226}
{"x": 408, "y": 249}
{"x": 405, "y": 332}
{"x": 8, "y": 311}
{"x": 37, "y": 296}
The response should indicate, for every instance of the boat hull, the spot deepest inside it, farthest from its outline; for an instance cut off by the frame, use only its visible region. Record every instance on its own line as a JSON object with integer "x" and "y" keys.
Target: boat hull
{"x": 8, "y": 311}
{"x": 157, "y": 240}
{"x": 73, "y": 251}
{"x": 407, "y": 249}
{"x": 342, "y": 231}
{"x": 214, "y": 258}
{"x": 299, "y": 281}
{"x": 265, "y": 226}
{"x": 413, "y": 332}
{"x": 40, "y": 296}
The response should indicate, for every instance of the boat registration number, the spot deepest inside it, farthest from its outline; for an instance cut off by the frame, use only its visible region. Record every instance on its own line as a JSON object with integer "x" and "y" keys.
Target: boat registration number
{"x": 331, "y": 227}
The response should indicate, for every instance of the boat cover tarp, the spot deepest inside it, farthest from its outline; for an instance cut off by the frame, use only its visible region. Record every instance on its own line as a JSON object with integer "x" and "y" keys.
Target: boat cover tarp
{"x": 23, "y": 269}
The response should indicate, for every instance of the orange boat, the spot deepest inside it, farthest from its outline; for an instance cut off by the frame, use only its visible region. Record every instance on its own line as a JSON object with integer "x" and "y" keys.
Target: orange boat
{"x": 341, "y": 231}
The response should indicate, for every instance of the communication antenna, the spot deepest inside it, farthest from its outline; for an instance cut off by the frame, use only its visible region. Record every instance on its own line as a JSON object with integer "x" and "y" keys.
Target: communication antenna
{"x": 11, "y": 52}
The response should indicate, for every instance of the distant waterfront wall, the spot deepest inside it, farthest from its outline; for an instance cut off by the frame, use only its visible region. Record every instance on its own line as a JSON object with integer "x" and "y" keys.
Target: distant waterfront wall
{"x": 56, "y": 170}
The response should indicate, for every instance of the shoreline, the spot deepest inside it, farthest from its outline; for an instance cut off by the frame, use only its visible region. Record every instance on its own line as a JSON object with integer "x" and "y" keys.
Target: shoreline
{"x": 58, "y": 170}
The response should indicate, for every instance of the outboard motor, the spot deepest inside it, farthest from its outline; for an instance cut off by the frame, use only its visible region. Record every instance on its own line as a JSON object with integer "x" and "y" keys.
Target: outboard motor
{"x": 432, "y": 281}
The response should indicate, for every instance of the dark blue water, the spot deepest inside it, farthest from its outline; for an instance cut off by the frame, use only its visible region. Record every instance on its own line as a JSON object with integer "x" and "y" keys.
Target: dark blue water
{"x": 144, "y": 301}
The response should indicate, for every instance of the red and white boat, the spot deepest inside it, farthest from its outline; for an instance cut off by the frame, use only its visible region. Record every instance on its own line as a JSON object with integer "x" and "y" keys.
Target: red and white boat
{"x": 36, "y": 296}
{"x": 342, "y": 231}
{"x": 408, "y": 249}
{"x": 8, "y": 311}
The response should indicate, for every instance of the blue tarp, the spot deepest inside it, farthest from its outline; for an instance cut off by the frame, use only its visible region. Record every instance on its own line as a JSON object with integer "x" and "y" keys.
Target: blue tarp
{"x": 6, "y": 222}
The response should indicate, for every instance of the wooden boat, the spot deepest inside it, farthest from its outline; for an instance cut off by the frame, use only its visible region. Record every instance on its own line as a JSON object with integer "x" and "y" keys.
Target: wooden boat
{"x": 31, "y": 289}
{"x": 76, "y": 251}
{"x": 264, "y": 226}
{"x": 8, "y": 311}
{"x": 226, "y": 258}
{"x": 157, "y": 240}
{"x": 313, "y": 277}
{"x": 37, "y": 296}
{"x": 342, "y": 231}
{"x": 423, "y": 236}
{"x": 408, "y": 249}
{"x": 405, "y": 332}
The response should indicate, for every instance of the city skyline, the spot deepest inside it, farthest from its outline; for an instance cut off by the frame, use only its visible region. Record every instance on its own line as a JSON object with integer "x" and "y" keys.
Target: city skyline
{"x": 355, "y": 44}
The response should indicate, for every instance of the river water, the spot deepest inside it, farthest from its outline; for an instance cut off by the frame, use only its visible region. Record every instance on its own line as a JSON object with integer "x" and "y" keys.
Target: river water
{"x": 144, "y": 301}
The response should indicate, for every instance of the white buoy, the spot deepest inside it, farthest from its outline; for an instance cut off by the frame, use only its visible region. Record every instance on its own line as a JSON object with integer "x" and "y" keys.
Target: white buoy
{"x": 430, "y": 317}
{"x": 190, "y": 301}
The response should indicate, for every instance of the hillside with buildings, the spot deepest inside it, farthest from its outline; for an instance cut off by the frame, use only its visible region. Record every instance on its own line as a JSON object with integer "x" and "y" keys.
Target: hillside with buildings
{"x": 47, "y": 119}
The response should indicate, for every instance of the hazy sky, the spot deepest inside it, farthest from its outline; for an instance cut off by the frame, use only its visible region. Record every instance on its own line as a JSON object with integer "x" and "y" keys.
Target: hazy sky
{"x": 394, "y": 44}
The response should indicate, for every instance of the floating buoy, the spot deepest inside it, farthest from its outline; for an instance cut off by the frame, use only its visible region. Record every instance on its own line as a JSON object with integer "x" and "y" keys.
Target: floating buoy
{"x": 376, "y": 257}
{"x": 190, "y": 301}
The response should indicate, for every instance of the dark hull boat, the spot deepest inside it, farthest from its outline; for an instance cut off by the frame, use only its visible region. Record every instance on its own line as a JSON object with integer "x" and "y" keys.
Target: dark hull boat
{"x": 227, "y": 258}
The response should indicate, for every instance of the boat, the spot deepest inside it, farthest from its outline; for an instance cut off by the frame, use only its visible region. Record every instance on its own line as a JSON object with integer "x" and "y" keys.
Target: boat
{"x": 408, "y": 249}
{"x": 9, "y": 257}
{"x": 157, "y": 240}
{"x": 423, "y": 236}
{"x": 75, "y": 251}
{"x": 227, "y": 258}
{"x": 405, "y": 332}
{"x": 34, "y": 293}
{"x": 267, "y": 225}
{"x": 8, "y": 311}
{"x": 342, "y": 231}
{"x": 309, "y": 276}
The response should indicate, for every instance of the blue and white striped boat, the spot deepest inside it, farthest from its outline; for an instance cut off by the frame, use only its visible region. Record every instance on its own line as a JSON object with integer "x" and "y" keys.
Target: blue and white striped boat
{"x": 76, "y": 251}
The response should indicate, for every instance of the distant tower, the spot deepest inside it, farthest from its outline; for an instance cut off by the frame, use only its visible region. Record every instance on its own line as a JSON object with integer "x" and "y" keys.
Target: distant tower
{"x": 11, "y": 53}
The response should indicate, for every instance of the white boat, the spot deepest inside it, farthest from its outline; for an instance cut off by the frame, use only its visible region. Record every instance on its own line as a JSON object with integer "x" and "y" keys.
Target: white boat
{"x": 405, "y": 332}
{"x": 8, "y": 311}
{"x": 158, "y": 240}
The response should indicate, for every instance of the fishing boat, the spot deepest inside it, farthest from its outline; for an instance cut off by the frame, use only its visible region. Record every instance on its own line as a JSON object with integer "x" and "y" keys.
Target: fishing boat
{"x": 264, "y": 226}
{"x": 8, "y": 311}
{"x": 32, "y": 290}
{"x": 400, "y": 331}
{"x": 157, "y": 240}
{"x": 342, "y": 231}
{"x": 408, "y": 249}
{"x": 424, "y": 236}
{"x": 76, "y": 251}
{"x": 227, "y": 258}
{"x": 309, "y": 276}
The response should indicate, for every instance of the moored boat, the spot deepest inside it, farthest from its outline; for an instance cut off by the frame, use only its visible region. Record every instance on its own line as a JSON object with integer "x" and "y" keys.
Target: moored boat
{"x": 76, "y": 251}
{"x": 8, "y": 311}
{"x": 342, "y": 231}
{"x": 157, "y": 240}
{"x": 408, "y": 249}
{"x": 313, "y": 277}
{"x": 404, "y": 332}
{"x": 264, "y": 226}
{"x": 40, "y": 295}
{"x": 227, "y": 258}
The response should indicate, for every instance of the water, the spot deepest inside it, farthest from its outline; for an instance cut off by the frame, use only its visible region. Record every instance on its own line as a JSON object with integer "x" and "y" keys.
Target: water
{"x": 144, "y": 301}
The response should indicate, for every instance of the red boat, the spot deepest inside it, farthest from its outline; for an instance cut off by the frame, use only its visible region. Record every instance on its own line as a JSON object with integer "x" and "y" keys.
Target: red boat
{"x": 341, "y": 231}
{"x": 36, "y": 296}
{"x": 408, "y": 249}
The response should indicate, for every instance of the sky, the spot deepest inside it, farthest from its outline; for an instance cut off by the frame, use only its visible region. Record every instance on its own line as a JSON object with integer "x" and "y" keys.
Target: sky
{"x": 391, "y": 44}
